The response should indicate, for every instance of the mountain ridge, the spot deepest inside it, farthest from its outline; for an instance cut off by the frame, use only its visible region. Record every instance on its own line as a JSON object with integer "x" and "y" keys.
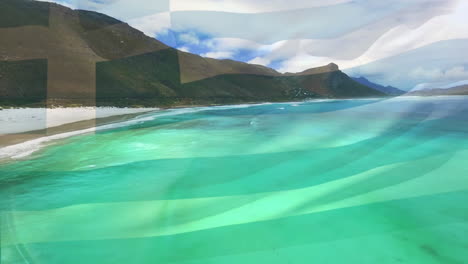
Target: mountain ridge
{"x": 94, "y": 59}
{"x": 390, "y": 90}
{"x": 456, "y": 90}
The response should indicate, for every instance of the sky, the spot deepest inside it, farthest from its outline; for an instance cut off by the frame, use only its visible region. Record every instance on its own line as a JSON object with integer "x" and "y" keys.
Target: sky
{"x": 409, "y": 44}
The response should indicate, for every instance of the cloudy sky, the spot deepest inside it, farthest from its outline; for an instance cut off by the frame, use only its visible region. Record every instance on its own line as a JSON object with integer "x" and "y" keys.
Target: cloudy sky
{"x": 410, "y": 44}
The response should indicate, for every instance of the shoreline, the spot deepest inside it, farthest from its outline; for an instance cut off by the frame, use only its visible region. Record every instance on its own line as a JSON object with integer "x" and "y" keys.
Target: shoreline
{"x": 19, "y": 145}
{"x": 13, "y": 139}
{"x": 19, "y": 120}
{"x": 9, "y": 139}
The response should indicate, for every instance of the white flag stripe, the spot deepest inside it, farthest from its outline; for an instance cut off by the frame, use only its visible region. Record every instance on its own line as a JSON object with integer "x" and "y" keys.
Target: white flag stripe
{"x": 248, "y": 6}
{"x": 148, "y": 218}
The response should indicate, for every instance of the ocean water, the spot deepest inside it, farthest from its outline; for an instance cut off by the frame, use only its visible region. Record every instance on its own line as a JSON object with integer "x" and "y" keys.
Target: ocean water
{"x": 333, "y": 181}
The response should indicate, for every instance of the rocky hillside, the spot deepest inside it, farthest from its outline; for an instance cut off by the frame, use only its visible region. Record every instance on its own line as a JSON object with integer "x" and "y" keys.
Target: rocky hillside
{"x": 50, "y": 54}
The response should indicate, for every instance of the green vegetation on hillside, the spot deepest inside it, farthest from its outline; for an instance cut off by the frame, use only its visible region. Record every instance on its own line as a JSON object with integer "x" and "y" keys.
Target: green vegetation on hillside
{"x": 23, "y": 82}
{"x": 15, "y": 13}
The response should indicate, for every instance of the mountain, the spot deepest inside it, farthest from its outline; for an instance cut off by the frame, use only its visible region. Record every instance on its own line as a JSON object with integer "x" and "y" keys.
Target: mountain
{"x": 50, "y": 54}
{"x": 457, "y": 90}
{"x": 390, "y": 90}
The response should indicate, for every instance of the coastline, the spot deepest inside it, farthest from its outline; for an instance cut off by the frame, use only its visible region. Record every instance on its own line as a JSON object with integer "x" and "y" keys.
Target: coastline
{"x": 19, "y": 145}
{"x": 67, "y": 123}
{"x": 17, "y": 137}
{"x": 67, "y": 129}
{"x": 72, "y": 127}
{"x": 22, "y": 132}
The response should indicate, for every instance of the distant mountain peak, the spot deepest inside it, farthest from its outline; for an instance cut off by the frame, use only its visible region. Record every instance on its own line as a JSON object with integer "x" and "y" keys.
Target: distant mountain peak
{"x": 390, "y": 90}
{"x": 456, "y": 90}
{"x": 331, "y": 67}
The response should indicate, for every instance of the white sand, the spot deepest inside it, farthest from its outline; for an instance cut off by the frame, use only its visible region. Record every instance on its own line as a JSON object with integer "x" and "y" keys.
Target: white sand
{"x": 29, "y": 119}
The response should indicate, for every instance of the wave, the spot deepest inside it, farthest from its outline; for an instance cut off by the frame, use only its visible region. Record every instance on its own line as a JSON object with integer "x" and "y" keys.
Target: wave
{"x": 27, "y": 148}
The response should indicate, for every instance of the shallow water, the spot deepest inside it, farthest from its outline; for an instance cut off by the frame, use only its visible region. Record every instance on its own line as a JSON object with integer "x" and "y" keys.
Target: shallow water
{"x": 339, "y": 181}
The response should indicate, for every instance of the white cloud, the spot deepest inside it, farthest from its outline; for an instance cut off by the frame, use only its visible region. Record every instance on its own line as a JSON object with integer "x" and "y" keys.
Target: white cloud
{"x": 332, "y": 21}
{"x": 227, "y": 47}
{"x": 457, "y": 72}
{"x": 395, "y": 41}
{"x": 260, "y": 61}
{"x": 248, "y": 6}
{"x": 403, "y": 38}
{"x": 189, "y": 38}
{"x": 423, "y": 86}
{"x": 232, "y": 44}
{"x": 363, "y": 45}
{"x": 265, "y": 52}
{"x": 421, "y": 73}
{"x": 302, "y": 62}
{"x": 152, "y": 25}
{"x": 454, "y": 84}
{"x": 218, "y": 55}
{"x": 184, "y": 49}
{"x": 410, "y": 26}
{"x": 440, "y": 85}
{"x": 454, "y": 73}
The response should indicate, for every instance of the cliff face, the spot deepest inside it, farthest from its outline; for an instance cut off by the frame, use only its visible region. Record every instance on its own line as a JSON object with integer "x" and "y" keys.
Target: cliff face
{"x": 52, "y": 54}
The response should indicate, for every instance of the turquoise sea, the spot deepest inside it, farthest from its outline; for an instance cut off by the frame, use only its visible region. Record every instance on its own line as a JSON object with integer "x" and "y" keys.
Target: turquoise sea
{"x": 332, "y": 181}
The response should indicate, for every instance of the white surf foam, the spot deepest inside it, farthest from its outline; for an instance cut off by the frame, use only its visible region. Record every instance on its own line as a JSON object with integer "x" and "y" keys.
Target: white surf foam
{"x": 27, "y": 148}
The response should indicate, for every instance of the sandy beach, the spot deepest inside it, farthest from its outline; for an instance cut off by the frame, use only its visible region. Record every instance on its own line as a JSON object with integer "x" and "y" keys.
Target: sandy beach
{"x": 22, "y": 124}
